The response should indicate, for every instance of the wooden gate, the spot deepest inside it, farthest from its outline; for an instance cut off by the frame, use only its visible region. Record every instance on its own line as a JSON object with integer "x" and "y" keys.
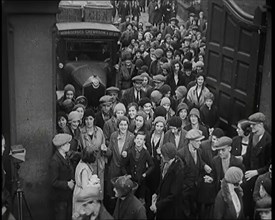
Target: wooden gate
{"x": 234, "y": 58}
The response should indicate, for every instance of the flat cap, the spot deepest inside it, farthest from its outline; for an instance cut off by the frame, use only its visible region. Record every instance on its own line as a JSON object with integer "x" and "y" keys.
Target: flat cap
{"x": 195, "y": 27}
{"x": 222, "y": 143}
{"x": 61, "y": 139}
{"x": 159, "y": 78}
{"x": 137, "y": 78}
{"x": 144, "y": 74}
{"x": 174, "y": 19}
{"x": 192, "y": 14}
{"x": 257, "y": 118}
{"x": 112, "y": 89}
{"x": 187, "y": 38}
{"x": 74, "y": 116}
{"x": 194, "y": 134}
{"x": 105, "y": 99}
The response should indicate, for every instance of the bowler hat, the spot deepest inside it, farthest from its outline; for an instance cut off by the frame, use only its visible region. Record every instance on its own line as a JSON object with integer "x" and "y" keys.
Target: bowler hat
{"x": 257, "y": 118}
{"x": 61, "y": 139}
{"x": 222, "y": 143}
{"x": 194, "y": 134}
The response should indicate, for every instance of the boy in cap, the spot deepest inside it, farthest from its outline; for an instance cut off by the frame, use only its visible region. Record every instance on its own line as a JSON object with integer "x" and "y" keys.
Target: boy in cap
{"x": 223, "y": 160}
{"x": 105, "y": 112}
{"x": 191, "y": 155}
{"x": 127, "y": 204}
{"x": 257, "y": 158}
{"x": 62, "y": 177}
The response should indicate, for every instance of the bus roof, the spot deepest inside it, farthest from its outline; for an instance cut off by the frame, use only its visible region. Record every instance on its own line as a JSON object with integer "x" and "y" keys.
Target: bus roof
{"x": 86, "y": 26}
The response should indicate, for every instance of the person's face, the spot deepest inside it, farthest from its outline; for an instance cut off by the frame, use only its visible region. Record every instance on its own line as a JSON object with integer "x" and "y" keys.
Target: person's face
{"x": 106, "y": 107}
{"x": 147, "y": 108}
{"x": 129, "y": 27}
{"x": 147, "y": 37}
{"x": 201, "y": 14}
{"x": 145, "y": 81}
{"x": 80, "y": 111}
{"x": 173, "y": 23}
{"x": 177, "y": 67}
{"x": 166, "y": 106}
{"x": 74, "y": 124}
{"x": 133, "y": 41}
{"x": 158, "y": 84}
{"x": 62, "y": 122}
{"x": 200, "y": 80}
{"x": 183, "y": 114}
{"x": 240, "y": 130}
{"x": 177, "y": 57}
{"x": 198, "y": 36}
{"x": 123, "y": 126}
{"x": 92, "y": 209}
{"x": 214, "y": 139}
{"x": 138, "y": 54}
{"x": 159, "y": 37}
{"x": 168, "y": 39}
{"x": 174, "y": 129}
{"x": 209, "y": 102}
{"x": 114, "y": 95}
{"x": 256, "y": 127}
{"x": 169, "y": 54}
{"x": 140, "y": 36}
{"x": 194, "y": 119}
{"x": 195, "y": 143}
{"x": 119, "y": 113}
{"x": 139, "y": 121}
{"x": 142, "y": 47}
{"x": 137, "y": 85}
{"x": 187, "y": 43}
{"x": 128, "y": 63}
{"x": 225, "y": 152}
{"x": 132, "y": 112}
{"x": 3, "y": 145}
{"x": 139, "y": 140}
{"x": 201, "y": 58}
{"x": 66, "y": 147}
{"x": 178, "y": 95}
{"x": 69, "y": 95}
{"x": 168, "y": 94}
{"x": 164, "y": 72}
{"x": 89, "y": 121}
{"x": 159, "y": 127}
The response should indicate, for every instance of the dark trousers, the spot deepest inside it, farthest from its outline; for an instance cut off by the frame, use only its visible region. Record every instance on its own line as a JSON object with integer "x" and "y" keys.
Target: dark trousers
{"x": 63, "y": 210}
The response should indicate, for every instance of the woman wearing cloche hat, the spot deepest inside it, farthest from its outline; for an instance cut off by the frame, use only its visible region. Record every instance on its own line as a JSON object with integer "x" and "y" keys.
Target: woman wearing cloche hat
{"x": 228, "y": 202}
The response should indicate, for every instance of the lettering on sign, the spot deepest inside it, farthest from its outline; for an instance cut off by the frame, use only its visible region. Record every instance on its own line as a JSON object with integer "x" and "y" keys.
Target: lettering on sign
{"x": 98, "y": 15}
{"x": 89, "y": 32}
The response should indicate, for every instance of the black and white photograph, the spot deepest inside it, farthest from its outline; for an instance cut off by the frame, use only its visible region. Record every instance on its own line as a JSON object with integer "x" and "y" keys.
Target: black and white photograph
{"x": 136, "y": 109}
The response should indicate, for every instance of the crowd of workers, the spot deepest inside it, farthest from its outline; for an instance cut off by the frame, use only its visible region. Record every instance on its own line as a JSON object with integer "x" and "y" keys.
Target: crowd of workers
{"x": 150, "y": 145}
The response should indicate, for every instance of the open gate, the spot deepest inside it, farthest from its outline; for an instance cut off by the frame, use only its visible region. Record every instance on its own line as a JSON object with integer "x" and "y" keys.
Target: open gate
{"x": 234, "y": 58}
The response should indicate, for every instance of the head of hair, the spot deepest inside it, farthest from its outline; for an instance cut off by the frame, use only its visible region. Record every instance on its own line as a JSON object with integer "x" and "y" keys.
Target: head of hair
{"x": 88, "y": 155}
{"x": 245, "y": 126}
{"x": 141, "y": 132}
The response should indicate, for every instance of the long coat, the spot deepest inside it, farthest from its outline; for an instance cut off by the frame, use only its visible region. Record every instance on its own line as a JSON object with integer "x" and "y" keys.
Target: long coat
{"x": 224, "y": 207}
{"x": 193, "y": 99}
{"x": 61, "y": 172}
{"x": 129, "y": 208}
{"x": 207, "y": 191}
{"x": 168, "y": 202}
{"x": 114, "y": 168}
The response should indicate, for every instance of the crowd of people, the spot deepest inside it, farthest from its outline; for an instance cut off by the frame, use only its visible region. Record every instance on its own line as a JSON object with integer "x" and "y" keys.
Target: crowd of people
{"x": 150, "y": 146}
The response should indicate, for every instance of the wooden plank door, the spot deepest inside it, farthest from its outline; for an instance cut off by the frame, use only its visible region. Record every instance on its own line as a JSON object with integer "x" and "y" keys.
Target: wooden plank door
{"x": 232, "y": 61}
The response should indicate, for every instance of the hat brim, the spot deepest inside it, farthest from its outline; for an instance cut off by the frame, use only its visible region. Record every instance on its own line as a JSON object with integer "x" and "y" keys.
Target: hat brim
{"x": 134, "y": 188}
{"x": 221, "y": 147}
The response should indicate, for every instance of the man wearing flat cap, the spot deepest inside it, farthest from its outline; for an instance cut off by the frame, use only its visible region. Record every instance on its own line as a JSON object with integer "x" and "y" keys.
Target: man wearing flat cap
{"x": 223, "y": 160}
{"x": 257, "y": 158}
{"x": 159, "y": 80}
{"x": 170, "y": 29}
{"x": 135, "y": 93}
{"x": 191, "y": 155}
{"x": 61, "y": 177}
{"x": 105, "y": 112}
{"x": 114, "y": 92}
